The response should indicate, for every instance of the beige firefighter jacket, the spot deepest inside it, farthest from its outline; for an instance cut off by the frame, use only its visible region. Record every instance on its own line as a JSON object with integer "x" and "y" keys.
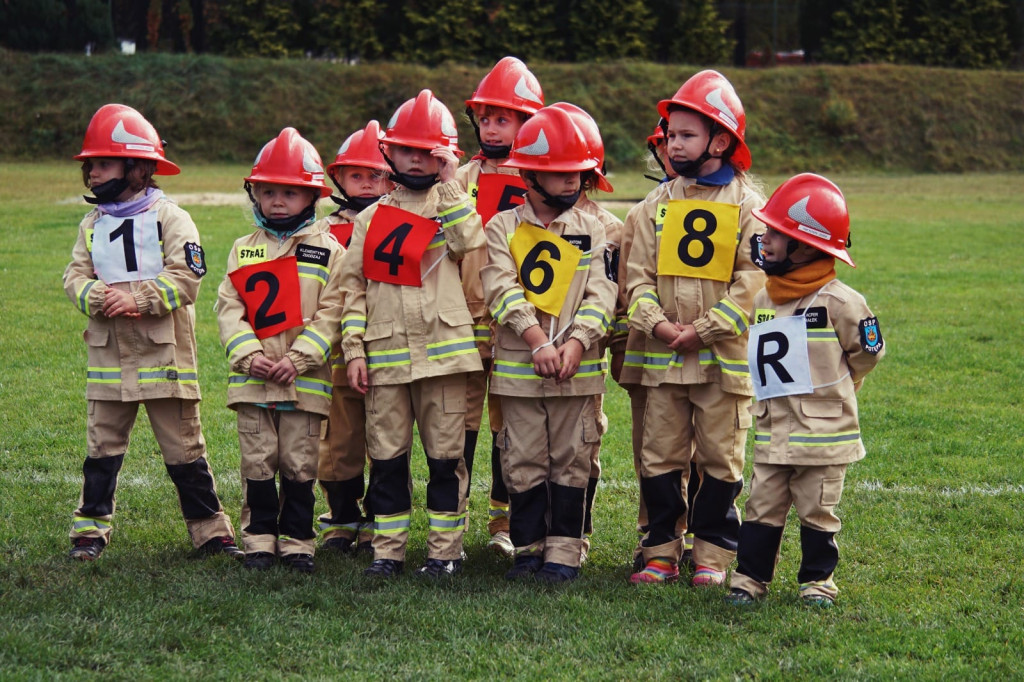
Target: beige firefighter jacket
{"x": 153, "y": 356}
{"x": 616, "y": 338}
{"x": 307, "y": 346}
{"x": 586, "y": 313}
{"x": 339, "y": 375}
{"x": 716, "y": 309}
{"x": 408, "y": 333}
{"x": 821, "y": 427}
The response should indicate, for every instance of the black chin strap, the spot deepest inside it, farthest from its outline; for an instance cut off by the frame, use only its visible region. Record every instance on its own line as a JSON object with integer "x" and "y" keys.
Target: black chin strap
{"x": 562, "y": 203}
{"x": 109, "y": 191}
{"x": 413, "y": 182}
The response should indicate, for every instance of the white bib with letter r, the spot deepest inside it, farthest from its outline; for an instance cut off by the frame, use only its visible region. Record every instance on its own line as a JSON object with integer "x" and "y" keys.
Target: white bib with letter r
{"x": 777, "y": 355}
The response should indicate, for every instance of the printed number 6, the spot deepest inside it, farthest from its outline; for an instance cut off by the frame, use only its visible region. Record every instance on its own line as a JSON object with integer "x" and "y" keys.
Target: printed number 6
{"x": 702, "y": 237}
{"x": 532, "y": 262}
{"x": 263, "y": 320}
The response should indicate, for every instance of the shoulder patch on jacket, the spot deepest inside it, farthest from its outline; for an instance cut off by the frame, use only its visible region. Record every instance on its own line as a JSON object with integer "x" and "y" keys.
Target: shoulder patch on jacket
{"x": 870, "y": 335}
{"x": 195, "y": 258}
{"x": 305, "y": 253}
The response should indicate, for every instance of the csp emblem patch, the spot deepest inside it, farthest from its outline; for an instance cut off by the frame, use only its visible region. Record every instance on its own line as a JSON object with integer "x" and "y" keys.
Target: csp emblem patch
{"x": 195, "y": 258}
{"x": 870, "y": 335}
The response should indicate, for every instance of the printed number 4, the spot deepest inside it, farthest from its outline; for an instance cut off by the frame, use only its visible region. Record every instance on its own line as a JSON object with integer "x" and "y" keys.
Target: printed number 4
{"x": 393, "y": 257}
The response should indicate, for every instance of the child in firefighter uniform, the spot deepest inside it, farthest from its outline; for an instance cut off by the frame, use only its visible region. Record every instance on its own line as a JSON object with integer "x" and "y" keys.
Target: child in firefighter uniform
{"x": 506, "y": 97}
{"x": 812, "y": 342}
{"x": 407, "y": 336}
{"x": 615, "y": 340}
{"x": 360, "y": 174}
{"x": 690, "y": 282}
{"x": 279, "y": 311}
{"x": 135, "y": 272}
{"x": 546, "y": 288}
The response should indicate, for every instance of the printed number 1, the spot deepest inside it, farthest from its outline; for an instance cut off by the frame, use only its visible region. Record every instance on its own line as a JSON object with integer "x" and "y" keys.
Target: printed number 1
{"x": 393, "y": 257}
{"x": 126, "y": 231}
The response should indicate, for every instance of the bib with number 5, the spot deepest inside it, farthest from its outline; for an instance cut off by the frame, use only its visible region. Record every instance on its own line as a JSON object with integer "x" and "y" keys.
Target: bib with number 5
{"x": 698, "y": 239}
{"x": 127, "y": 249}
{"x": 546, "y": 264}
{"x": 270, "y": 291}
{"x": 395, "y": 243}
{"x": 498, "y": 192}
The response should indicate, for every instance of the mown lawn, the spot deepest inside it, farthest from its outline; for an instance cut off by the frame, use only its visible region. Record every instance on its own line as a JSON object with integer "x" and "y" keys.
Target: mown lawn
{"x": 930, "y": 575}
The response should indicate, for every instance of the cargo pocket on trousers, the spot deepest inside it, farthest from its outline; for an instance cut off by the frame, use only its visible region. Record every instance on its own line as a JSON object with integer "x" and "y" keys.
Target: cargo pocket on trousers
{"x": 831, "y": 491}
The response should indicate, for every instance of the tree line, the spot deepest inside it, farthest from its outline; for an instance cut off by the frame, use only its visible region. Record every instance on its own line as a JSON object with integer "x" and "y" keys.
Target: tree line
{"x": 951, "y": 33}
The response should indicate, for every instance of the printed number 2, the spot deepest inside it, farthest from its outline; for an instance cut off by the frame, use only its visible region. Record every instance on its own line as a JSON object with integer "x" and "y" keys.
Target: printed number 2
{"x": 702, "y": 237}
{"x": 263, "y": 320}
{"x": 126, "y": 232}
{"x": 393, "y": 257}
{"x": 532, "y": 262}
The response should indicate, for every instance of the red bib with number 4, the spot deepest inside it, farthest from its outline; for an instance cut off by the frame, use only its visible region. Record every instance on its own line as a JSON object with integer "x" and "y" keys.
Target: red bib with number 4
{"x": 270, "y": 291}
{"x": 498, "y": 192}
{"x": 395, "y": 243}
{"x": 343, "y": 233}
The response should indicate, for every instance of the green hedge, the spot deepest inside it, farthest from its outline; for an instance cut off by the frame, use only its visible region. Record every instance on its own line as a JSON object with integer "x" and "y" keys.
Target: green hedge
{"x": 821, "y": 118}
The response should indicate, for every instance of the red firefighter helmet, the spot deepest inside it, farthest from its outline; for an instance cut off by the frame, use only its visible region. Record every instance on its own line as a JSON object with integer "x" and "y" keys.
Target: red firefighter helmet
{"x": 423, "y": 122}
{"x": 551, "y": 142}
{"x": 592, "y": 134}
{"x": 289, "y": 159}
{"x": 118, "y": 131}
{"x": 710, "y": 93}
{"x": 811, "y": 210}
{"x": 510, "y": 85}
{"x": 657, "y": 138}
{"x": 361, "y": 148}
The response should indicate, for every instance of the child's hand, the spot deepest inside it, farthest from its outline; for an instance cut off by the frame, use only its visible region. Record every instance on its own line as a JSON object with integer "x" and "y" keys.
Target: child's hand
{"x": 570, "y": 353}
{"x": 119, "y": 303}
{"x": 616, "y": 366}
{"x": 357, "y": 376}
{"x": 686, "y": 340}
{"x": 546, "y": 362}
{"x": 447, "y": 163}
{"x": 283, "y": 371}
{"x": 260, "y": 366}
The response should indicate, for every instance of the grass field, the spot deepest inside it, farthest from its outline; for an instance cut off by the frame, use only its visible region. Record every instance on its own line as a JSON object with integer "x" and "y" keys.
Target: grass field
{"x": 931, "y": 550}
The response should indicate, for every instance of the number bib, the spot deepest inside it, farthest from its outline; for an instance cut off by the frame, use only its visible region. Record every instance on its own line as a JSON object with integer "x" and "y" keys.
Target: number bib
{"x": 498, "y": 192}
{"x": 127, "y": 249}
{"x": 777, "y": 356}
{"x": 270, "y": 291}
{"x": 546, "y": 264}
{"x": 343, "y": 233}
{"x": 395, "y": 243}
{"x": 698, "y": 239}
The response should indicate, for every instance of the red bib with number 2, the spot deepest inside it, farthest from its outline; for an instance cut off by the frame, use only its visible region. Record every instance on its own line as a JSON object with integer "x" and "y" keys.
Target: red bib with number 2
{"x": 270, "y": 291}
{"x": 395, "y": 243}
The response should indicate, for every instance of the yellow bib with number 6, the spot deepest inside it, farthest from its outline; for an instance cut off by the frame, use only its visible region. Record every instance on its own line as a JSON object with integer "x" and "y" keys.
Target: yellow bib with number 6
{"x": 698, "y": 239}
{"x": 546, "y": 264}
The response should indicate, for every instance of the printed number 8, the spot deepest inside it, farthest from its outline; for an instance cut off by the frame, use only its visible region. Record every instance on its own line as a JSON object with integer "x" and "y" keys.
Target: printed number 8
{"x": 532, "y": 262}
{"x": 702, "y": 237}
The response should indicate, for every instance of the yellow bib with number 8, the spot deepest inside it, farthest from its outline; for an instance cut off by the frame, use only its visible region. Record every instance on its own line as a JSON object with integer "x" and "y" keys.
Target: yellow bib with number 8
{"x": 546, "y": 264}
{"x": 698, "y": 239}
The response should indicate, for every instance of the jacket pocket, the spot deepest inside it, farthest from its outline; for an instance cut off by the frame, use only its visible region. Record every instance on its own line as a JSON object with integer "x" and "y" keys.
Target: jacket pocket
{"x": 759, "y": 408}
{"x": 378, "y": 331}
{"x": 97, "y": 338}
{"x": 831, "y": 491}
{"x": 455, "y": 317}
{"x": 163, "y": 333}
{"x": 822, "y": 409}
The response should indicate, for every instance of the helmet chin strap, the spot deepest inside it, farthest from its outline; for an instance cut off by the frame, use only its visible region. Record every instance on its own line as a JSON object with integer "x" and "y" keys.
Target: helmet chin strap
{"x": 356, "y": 204}
{"x": 560, "y": 202}
{"x": 109, "y": 191}
{"x": 282, "y": 227}
{"x": 490, "y": 151}
{"x": 690, "y": 168}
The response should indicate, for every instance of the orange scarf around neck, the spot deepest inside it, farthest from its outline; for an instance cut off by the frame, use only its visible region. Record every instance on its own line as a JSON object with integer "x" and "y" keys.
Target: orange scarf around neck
{"x": 800, "y": 282}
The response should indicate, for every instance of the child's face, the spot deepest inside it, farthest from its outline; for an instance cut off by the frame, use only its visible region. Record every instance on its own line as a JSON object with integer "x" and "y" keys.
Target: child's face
{"x": 775, "y": 245}
{"x": 282, "y": 201}
{"x": 498, "y": 125}
{"x": 412, "y": 160}
{"x": 359, "y": 181}
{"x": 688, "y": 138}
{"x": 558, "y": 184}
{"x": 105, "y": 169}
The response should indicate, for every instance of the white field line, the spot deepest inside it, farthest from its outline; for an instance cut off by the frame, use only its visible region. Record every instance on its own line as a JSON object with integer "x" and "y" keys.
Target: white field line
{"x": 231, "y": 480}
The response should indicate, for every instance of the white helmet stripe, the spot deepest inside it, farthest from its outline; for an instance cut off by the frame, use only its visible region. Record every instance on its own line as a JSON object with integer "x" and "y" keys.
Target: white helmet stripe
{"x": 714, "y": 98}
{"x": 538, "y": 148}
{"x": 309, "y": 162}
{"x": 807, "y": 223}
{"x": 523, "y": 90}
{"x": 122, "y": 136}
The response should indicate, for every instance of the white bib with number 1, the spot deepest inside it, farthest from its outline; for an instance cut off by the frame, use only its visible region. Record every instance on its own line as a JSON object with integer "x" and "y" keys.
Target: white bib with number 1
{"x": 127, "y": 249}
